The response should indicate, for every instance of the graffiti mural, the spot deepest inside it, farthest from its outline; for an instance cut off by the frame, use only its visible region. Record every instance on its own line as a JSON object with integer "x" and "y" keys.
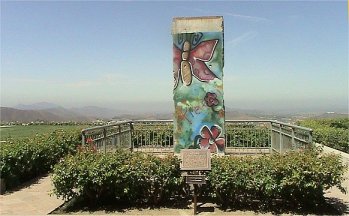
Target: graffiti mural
{"x": 198, "y": 91}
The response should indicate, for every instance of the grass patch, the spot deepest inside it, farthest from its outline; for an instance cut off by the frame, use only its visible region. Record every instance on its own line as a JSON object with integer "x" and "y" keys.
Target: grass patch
{"x": 21, "y": 131}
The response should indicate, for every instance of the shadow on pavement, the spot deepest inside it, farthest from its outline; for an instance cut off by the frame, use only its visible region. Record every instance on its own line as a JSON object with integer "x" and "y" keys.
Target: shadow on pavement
{"x": 24, "y": 185}
{"x": 330, "y": 206}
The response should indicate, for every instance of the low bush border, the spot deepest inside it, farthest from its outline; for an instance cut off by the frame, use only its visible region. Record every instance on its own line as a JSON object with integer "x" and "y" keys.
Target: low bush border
{"x": 138, "y": 178}
{"x": 24, "y": 159}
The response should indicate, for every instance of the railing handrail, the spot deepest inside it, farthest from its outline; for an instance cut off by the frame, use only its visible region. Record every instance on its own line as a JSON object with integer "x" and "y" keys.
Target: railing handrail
{"x": 292, "y": 126}
{"x": 263, "y": 120}
{"x": 273, "y": 121}
{"x": 106, "y": 126}
{"x": 171, "y": 120}
{"x": 151, "y": 120}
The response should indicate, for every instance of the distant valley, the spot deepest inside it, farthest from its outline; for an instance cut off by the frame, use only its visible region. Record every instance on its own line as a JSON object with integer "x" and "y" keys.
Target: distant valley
{"x": 52, "y": 112}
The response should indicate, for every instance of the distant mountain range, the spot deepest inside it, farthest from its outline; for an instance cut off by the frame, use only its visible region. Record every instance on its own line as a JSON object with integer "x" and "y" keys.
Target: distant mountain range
{"x": 36, "y": 106}
{"x": 44, "y": 111}
{"x": 9, "y": 114}
{"x": 52, "y": 112}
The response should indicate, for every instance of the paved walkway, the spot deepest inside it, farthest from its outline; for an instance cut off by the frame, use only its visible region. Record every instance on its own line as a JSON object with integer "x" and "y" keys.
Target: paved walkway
{"x": 31, "y": 200}
{"x": 334, "y": 192}
{"x": 35, "y": 200}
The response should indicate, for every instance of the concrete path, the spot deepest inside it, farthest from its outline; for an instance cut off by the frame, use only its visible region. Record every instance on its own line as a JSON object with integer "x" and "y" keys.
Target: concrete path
{"x": 31, "y": 200}
{"x": 334, "y": 192}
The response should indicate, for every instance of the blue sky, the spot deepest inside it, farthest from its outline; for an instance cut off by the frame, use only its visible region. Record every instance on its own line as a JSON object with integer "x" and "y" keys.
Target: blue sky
{"x": 278, "y": 55}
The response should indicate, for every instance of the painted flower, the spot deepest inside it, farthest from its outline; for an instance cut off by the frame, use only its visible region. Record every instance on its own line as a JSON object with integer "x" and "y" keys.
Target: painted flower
{"x": 211, "y": 99}
{"x": 210, "y": 138}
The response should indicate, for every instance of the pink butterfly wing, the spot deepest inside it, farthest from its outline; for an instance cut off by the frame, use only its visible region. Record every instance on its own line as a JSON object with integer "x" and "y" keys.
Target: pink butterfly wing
{"x": 177, "y": 58}
{"x": 198, "y": 56}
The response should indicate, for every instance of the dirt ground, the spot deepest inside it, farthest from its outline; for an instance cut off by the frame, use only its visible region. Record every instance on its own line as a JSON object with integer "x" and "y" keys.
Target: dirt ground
{"x": 212, "y": 209}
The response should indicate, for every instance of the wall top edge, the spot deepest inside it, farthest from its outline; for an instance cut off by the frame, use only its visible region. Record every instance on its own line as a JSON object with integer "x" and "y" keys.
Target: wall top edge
{"x": 197, "y": 24}
{"x": 198, "y": 18}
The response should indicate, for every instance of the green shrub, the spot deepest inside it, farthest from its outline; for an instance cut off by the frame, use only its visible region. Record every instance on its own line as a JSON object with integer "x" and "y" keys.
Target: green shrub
{"x": 131, "y": 177}
{"x": 333, "y": 133}
{"x": 24, "y": 159}
{"x": 300, "y": 177}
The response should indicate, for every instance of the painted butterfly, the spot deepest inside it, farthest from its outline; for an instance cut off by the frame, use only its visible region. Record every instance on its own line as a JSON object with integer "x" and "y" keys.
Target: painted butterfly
{"x": 191, "y": 62}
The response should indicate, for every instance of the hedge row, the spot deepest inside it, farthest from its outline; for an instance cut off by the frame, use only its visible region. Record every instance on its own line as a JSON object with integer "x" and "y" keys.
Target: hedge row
{"x": 24, "y": 159}
{"x": 333, "y": 133}
{"x": 299, "y": 177}
{"x": 130, "y": 177}
{"x": 142, "y": 178}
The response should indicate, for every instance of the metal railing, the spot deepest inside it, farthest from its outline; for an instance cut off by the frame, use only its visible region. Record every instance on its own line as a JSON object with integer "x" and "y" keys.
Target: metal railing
{"x": 109, "y": 137}
{"x": 242, "y": 136}
{"x": 152, "y": 136}
{"x": 247, "y": 137}
{"x": 287, "y": 136}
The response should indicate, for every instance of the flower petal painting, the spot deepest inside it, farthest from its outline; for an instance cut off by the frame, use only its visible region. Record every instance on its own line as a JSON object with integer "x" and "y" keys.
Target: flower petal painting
{"x": 211, "y": 138}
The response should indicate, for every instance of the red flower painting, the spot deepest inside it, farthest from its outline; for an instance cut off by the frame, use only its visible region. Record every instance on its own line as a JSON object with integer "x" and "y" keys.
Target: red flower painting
{"x": 210, "y": 138}
{"x": 211, "y": 99}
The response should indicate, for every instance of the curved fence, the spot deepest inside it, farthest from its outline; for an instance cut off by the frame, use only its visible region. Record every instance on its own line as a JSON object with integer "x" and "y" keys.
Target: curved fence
{"x": 242, "y": 136}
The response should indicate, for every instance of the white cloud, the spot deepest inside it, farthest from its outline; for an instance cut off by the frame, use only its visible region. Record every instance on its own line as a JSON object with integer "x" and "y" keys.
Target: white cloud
{"x": 247, "y": 17}
{"x": 235, "y": 15}
{"x": 242, "y": 38}
{"x": 231, "y": 14}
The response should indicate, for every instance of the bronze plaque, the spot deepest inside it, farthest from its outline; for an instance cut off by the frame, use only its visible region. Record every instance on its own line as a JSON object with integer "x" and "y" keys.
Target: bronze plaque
{"x": 195, "y": 159}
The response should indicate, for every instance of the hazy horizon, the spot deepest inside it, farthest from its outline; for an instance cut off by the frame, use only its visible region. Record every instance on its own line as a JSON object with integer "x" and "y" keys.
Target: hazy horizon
{"x": 279, "y": 56}
{"x": 168, "y": 107}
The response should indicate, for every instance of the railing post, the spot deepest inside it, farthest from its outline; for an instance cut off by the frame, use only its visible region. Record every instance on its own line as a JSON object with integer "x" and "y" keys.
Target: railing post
{"x": 83, "y": 138}
{"x": 225, "y": 136}
{"x": 118, "y": 138}
{"x": 293, "y": 140}
{"x": 104, "y": 140}
{"x": 113, "y": 141}
{"x": 310, "y": 137}
{"x": 131, "y": 136}
{"x": 271, "y": 137}
{"x": 280, "y": 140}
